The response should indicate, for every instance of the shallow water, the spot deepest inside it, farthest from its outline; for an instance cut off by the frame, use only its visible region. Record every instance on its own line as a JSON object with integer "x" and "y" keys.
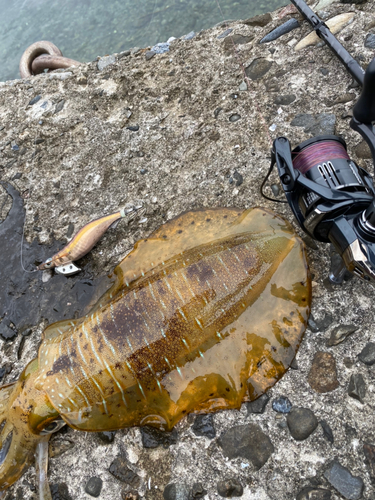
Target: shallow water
{"x": 84, "y": 29}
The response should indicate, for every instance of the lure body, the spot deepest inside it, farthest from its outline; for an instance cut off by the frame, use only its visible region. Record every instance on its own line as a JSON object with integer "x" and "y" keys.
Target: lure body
{"x": 83, "y": 241}
{"x": 206, "y": 313}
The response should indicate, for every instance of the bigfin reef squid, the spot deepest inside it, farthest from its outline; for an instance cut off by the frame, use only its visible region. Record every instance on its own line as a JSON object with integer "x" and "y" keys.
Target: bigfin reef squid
{"x": 206, "y": 313}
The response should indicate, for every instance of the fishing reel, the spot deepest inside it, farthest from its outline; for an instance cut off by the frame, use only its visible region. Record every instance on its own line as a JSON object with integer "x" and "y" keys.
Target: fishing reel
{"x": 332, "y": 198}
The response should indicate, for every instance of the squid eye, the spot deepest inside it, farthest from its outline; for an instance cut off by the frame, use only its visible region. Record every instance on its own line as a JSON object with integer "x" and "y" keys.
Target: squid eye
{"x": 52, "y": 427}
{"x": 48, "y": 263}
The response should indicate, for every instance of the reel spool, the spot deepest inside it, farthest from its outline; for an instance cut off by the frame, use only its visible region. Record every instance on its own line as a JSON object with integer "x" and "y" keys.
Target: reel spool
{"x": 324, "y": 161}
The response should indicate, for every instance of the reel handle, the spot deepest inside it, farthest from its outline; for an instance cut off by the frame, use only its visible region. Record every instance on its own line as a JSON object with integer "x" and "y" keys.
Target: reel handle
{"x": 364, "y": 110}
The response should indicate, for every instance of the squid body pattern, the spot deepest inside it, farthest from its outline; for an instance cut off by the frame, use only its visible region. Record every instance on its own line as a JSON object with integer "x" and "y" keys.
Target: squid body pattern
{"x": 204, "y": 314}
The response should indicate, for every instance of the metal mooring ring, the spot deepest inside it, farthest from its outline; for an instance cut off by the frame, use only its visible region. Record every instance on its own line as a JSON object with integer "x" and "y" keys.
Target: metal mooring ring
{"x": 42, "y": 50}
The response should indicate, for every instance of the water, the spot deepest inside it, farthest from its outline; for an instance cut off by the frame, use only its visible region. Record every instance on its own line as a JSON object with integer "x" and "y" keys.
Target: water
{"x": 84, "y": 29}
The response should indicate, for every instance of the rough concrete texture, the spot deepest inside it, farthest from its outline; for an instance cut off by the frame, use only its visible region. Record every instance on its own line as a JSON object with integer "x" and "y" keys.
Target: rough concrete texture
{"x": 185, "y": 155}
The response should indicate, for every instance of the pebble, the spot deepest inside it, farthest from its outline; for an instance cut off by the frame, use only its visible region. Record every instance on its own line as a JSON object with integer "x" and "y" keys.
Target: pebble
{"x": 367, "y": 355}
{"x": 275, "y": 189}
{"x": 259, "y": 405}
{"x": 232, "y": 41}
{"x": 204, "y": 426}
{"x": 152, "y": 437}
{"x": 160, "y": 48}
{"x": 258, "y": 68}
{"x": 282, "y": 405}
{"x": 340, "y": 333}
{"x": 321, "y": 124}
{"x": 234, "y": 118}
{"x": 247, "y": 441}
{"x": 59, "y": 106}
{"x": 357, "y": 387}
{"x": 94, "y": 486}
{"x": 226, "y": 33}
{"x": 261, "y": 20}
{"x": 120, "y": 470}
{"x": 314, "y": 494}
{"x": 107, "y": 437}
{"x": 60, "y": 491}
{"x": 370, "y": 41}
{"x": 363, "y": 151}
{"x": 197, "y": 491}
{"x": 238, "y": 177}
{"x": 349, "y": 486}
{"x": 285, "y": 28}
{"x": 324, "y": 323}
{"x": 242, "y": 87}
{"x": 369, "y": 452}
{"x": 302, "y": 423}
{"x": 106, "y": 61}
{"x": 294, "y": 364}
{"x": 34, "y": 100}
{"x": 133, "y": 128}
{"x": 189, "y": 36}
{"x": 5, "y": 370}
{"x": 149, "y": 55}
{"x": 284, "y": 100}
{"x": 7, "y": 333}
{"x": 129, "y": 495}
{"x": 176, "y": 491}
{"x": 230, "y": 488}
{"x": 327, "y": 431}
{"x": 323, "y": 374}
{"x": 60, "y": 76}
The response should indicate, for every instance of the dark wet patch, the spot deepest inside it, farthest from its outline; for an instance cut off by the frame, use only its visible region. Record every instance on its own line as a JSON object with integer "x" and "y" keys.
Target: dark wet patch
{"x": 24, "y": 298}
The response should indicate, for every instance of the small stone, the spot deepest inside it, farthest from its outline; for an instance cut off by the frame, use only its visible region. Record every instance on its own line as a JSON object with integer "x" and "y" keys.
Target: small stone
{"x": 350, "y": 431}
{"x": 314, "y": 494}
{"x": 17, "y": 176}
{"x": 126, "y": 53}
{"x": 323, "y": 375}
{"x": 324, "y": 71}
{"x": 15, "y": 147}
{"x": 302, "y": 423}
{"x": 107, "y": 437}
{"x": 284, "y": 100}
{"x": 143, "y": 171}
{"x": 321, "y": 124}
{"x": 106, "y": 61}
{"x": 324, "y": 323}
{"x": 238, "y": 177}
{"x": 357, "y": 387}
{"x": 367, "y": 355}
{"x": 369, "y": 452}
{"x": 59, "y": 106}
{"x": 282, "y": 405}
{"x": 258, "y": 68}
{"x": 120, "y": 470}
{"x": 226, "y": 33}
{"x": 197, "y": 491}
{"x": 349, "y": 486}
{"x": 133, "y": 128}
{"x": 275, "y": 189}
{"x": 189, "y": 36}
{"x": 261, "y": 20}
{"x": 176, "y": 491}
{"x": 204, "y": 426}
{"x": 34, "y": 100}
{"x": 94, "y": 486}
{"x": 327, "y": 431}
{"x": 149, "y": 55}
{"x": 7, "y": 333}
{"x": 247, "y": 441}
{"x": 70, "y": 230}
{"x": 340, "y": 333}
{"x": 242, "y": 87}
{"x": 348, "y": 362}
{"x": 370, "y": 41}
{"x": 258, "y": 405}
{"x": 152, "y": 437}
{"x": 60, "y": 492}
{"x": 230, "y": 488}
{"x": 294, "y": 364}
{"x": 38, "y": 140}
{"x": 234, "y": 118}
{"x": 160, "y": 48}
{"x": 363, "y": 151}
{"x": 5, "y": 370}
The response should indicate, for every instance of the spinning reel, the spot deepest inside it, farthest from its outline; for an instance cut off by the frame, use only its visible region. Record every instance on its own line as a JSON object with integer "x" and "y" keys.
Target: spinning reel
{"x": 332, "y": 198}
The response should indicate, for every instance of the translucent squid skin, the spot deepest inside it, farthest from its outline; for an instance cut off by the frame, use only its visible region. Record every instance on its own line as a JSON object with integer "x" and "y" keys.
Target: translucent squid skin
{"x": 206, "y": 313}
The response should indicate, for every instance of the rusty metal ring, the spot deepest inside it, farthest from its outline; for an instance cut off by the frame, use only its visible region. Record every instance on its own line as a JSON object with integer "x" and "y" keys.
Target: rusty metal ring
{"x": 43, "y": 62}
{"x": 37, "y": 50}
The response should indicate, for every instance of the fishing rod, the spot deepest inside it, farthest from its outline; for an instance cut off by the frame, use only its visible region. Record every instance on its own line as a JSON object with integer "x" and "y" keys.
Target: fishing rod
{"x": 332, "y": 198}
